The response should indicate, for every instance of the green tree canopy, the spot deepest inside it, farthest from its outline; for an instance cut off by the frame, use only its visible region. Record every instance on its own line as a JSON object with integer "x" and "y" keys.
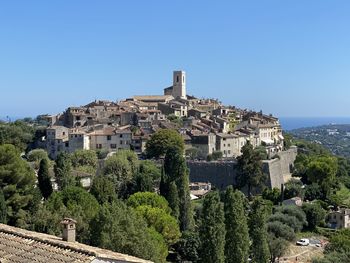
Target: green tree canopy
{"x": 258, "y": 232}
{"x": 148, "y": 177}
{"x": 17, "y": 181}
{"x": 3, "y": 208}
{"x": 293, "y": 188}
{"x": 36, "y": 156}
{"x": 287, "y": 219}
{"x": 188, "y": 247}
{"x": 281, "y": 230}
{"x": 161, "y": 221}
{"x": 192, "y": 153}
{"x": 175, "y": 187}
{"x": 122, "y": 168}
{"x": 237, "y": 233}
{"x": 277, "y": 247}
{"x": 315, "y": 214}
{"x": 17, "y": 133}
{"x": 249, "y": 169}
{"x": 118, "y": 228}
{"x": 340, "y": 196}
{"x": 273, "y": 195}
{"x": 63, "y": 171}
{"x": 212, "y": 230}
{"x": 103, "y": 189}
{"x": 295, "y": 211}
{"x": 84, "y": 160}
{"x": 322, "y": 170}
{"x": 77, "y": 203}
{"x": 149, "y": 199}
{"x": 163, "y": 140}
{"x": 44, "y": 180}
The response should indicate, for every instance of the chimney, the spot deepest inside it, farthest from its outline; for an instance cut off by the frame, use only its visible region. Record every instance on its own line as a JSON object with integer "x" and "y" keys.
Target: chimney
{"x": 68, "y": 229}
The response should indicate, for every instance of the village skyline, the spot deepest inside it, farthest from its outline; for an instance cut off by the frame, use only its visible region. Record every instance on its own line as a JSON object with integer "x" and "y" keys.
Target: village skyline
{"x": 288, "y": 59}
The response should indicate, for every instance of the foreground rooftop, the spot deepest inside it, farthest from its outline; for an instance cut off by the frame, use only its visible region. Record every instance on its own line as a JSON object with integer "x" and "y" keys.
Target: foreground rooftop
{"x": 19, "y": 245}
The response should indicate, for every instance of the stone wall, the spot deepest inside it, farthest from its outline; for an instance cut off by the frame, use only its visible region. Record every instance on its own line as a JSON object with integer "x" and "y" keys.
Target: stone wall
{"x": 223, "y": 173}
{"x": 219, "y": 174}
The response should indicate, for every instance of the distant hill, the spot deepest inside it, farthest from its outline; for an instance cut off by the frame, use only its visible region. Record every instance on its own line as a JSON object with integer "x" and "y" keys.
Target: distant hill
{"x": 335, "y": 137}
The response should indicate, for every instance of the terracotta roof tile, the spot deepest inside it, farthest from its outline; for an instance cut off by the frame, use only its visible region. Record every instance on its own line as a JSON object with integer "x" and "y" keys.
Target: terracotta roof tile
{"x": 19, "y": 245}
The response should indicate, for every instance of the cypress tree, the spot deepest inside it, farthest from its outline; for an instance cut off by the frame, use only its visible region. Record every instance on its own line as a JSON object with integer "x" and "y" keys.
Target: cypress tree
{"x": 173, "y": 199}
{"x": 44, "y": 180}
{"x": 163, "y": 185}
{"x": 63, "y": 168}
{"x": 249, "y": 169}
{"x": 175, "y": 170}
{"x": 3, "y": 208}
{"x": 258, "y": 232}
{"x": 185, "y": 206}
{"x": 212, "y": 230}
{"x": 237, "y": 233}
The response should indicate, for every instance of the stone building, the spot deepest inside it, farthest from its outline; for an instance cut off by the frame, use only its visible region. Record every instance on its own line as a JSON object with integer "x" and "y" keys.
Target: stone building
{"x": 204, "y": 142}
{"x": 339, "y": 219}
{"x": 56, "y": 140}
{"x": 178, "y": 89}
{"x": 173, "y": 107}
{"x": 230, "y": 144}
{"x": 111, "y": 139}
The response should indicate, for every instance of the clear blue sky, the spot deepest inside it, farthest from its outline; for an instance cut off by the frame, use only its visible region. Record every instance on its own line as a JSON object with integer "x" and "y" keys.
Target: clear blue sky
{"x": 289, "y": 58}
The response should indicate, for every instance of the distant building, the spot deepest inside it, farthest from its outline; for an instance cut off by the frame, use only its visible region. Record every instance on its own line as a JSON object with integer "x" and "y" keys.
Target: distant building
{"x": 294, "y": 201}
{"x": 230, "y": 144}
{"x": 178, "y": 89}
{"x": 199, "y": 189}
{"x": 339, "y": 219}
{"x": 204, "y": 142}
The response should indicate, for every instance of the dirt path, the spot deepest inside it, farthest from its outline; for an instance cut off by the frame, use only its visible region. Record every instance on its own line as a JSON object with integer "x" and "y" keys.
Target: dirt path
{"x": 301, "y": 254}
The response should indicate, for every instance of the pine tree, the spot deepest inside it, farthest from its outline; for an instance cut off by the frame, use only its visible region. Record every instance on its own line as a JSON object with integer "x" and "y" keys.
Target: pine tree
{"x": 237, "y": 234}
{"x": 258, "y": 232}
{"x": 212, "y": 230}
{"x": 3, "y": 208}
{"x": 44, "y": 180}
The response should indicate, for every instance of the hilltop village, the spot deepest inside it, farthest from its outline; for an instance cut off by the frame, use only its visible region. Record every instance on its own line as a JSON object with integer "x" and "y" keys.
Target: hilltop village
{"x": 206, "y": 125}
{"x": 108, "y": 182}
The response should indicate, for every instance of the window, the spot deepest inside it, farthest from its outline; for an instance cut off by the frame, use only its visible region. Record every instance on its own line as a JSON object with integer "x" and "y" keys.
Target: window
{"x": 121, "y": 142}
{"x": 229, "y": 152}
{"x": 121, "y": 136}
{"x": 109, "y": 137}
{"x": 113, "y": 146}
{"x": 177, "y": 78}
{"x": 98, "y": 146}
{"x": 63, "y": 133}
{"x": 228, "y": 145}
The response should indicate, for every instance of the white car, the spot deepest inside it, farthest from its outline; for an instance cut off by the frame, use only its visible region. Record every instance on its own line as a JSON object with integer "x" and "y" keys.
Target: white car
{"x": 303, "y": 242}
